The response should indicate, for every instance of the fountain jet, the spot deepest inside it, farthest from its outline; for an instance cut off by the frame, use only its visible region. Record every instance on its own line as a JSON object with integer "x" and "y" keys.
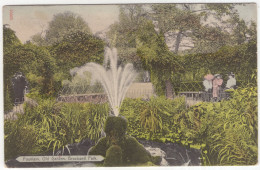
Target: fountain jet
{"x": 115, "y": 79}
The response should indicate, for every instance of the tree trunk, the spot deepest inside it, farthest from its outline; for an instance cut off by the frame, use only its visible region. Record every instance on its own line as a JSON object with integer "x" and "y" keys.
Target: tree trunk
{"x": 178, "y": 41}
{"x": 169, "y": 89}
{"x": 168, "y": 84}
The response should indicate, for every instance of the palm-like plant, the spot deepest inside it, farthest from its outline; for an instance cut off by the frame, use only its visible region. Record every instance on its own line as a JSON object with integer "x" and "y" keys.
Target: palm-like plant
{"x": 153, "y": 114}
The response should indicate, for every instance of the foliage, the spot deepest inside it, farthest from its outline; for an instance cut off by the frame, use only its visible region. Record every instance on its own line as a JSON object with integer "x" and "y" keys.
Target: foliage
{"x": 61, "y": 25}
{"x": 76, "y": 49}
{"x": 113, "y": 156}
{"x": 193, "y": 67}
{"x": 40, "y": 69}
{"x": 97, "y": 115}
{"x": 227, "y": 131}
{"x": 172, "y": 18}
{"x": 157, "y": 58}
{"x": 34, "y": 62}
{"x": 19, "y": 139}
{"x": 8, "y": 102}
{"x": 10, "y": 41}
{"x": 119, "y": 149}
{"x": 211, "y": 50}
{"x": 135, "y": 152}
{"x": 237, "y": 144}
{"x": 81, "y": 85}
{"x": 115, "y": 126}
{"x": 123, "y": 34}
{"x": 151, "y": 120}
{"x": 52, "y": 126}
{"x": 46, "y": 67}
{"x": 100, "y": 148}
{"x": 228, "y": 59}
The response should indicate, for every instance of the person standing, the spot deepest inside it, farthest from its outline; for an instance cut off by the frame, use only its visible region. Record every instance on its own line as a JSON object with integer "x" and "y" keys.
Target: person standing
{"x": 216, "y": 84}
{"x": 207, "y": 83}
{"x": 231, "y": 83}
{"x": 19, "y": 83}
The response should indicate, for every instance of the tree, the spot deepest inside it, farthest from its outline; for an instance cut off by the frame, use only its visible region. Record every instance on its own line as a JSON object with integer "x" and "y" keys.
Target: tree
{"x": 41, "y": 71}
{"x": 252, "y": 32}
{"x": 10, "y": 41}
{"x": 198, "y": 28}
{"x": 173, "y": 21}
{"x": 34, "y": 62}
{"x": 38, "y": 39}
{"x": 157, "y": 58}
{"x": 61, "y": 25}
{"x": 76, "y": 49}
{"x": 123, "y": 34}
{"x": 187, "y": 25}
{"x": 134, "y": 24}
{"x": 239, "y": 59}
{"x": 240, "y": 30}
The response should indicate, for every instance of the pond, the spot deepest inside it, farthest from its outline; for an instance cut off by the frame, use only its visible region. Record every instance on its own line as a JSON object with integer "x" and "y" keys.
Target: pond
{"x": 172, "y": 155}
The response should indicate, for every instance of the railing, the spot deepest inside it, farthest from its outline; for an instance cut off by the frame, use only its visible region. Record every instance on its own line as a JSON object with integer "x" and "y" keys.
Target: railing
{"x": 81, "y": 98}
{"x": 83, "y": 93}
{"x": 77, "y": 89}
{"x": 186, "y": 86}
{"x": 205, "y": 96}
{"x": 193, "y": 90}
{"x": 196, "y": 86}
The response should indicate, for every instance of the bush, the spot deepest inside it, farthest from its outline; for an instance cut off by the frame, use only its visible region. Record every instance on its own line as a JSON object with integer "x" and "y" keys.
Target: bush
{"x": 135, "y": 152}
{"x": 52, "y": 125}
{"x": 119, "y": 148}
{"x": 113, "y": 156}
{"x": 115, "y": 126}
{"x": 100, "y": 148}
{"x": 152, "y": 120}
{"x": 227, "y": 130}
{"x": 20, "y": 139}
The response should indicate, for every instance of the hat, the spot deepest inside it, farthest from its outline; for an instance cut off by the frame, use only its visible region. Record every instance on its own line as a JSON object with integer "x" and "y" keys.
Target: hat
{"x": 209, "y": 77}
{"x": 231, "y": 74}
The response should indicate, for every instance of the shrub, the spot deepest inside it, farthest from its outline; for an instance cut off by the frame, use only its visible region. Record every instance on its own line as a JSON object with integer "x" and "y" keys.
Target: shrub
{"x": 135, "y": 152}
{"x": 20, "y": 140}
{"x": 113, "y": 156}
{"x": 119, "y": 148}
{"x": 53, "y": 125}
{"x": 100, "y": 148}
{"x": 115, "y": 126}
{"x": 227, "y": 130}
{"x": 152, "y": 120}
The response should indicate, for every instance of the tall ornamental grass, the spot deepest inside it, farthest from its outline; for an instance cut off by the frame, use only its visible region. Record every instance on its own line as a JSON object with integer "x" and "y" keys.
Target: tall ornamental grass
{"x": 50, "y": 126}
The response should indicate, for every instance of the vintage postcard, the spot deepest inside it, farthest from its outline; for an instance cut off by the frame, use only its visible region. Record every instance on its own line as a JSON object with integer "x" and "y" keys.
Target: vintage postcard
{"x": 130, "y": 85}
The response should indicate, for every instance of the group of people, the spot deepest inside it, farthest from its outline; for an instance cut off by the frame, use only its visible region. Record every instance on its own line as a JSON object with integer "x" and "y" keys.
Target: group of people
{"x": 214, "y": 85}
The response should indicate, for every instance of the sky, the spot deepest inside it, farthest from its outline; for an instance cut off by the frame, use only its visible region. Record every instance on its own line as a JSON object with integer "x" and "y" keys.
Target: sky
{"x": 29, "y": 20}
{"x": 26, "y": 21}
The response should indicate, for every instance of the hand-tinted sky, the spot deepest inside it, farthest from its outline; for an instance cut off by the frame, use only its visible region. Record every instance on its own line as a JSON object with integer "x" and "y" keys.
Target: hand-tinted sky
{"x": 29, "y": 20}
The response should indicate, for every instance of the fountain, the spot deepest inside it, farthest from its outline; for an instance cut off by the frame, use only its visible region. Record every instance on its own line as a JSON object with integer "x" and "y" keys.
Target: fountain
{"x": 118, "y": 148}
{"x": 115, "y": 79}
